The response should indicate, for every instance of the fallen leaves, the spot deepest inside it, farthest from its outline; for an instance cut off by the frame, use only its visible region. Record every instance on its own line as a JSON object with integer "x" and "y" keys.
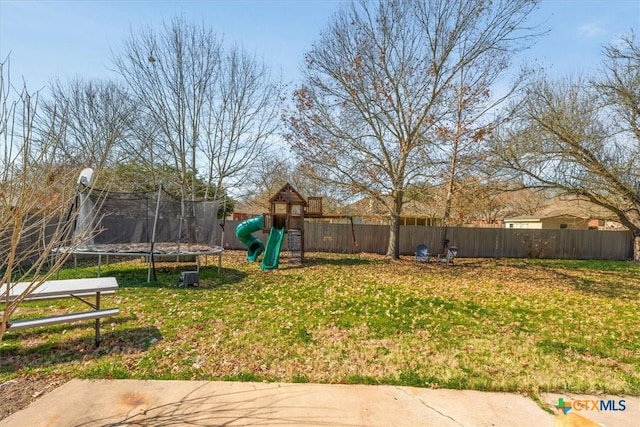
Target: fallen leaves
{"x": 514, "y": 325}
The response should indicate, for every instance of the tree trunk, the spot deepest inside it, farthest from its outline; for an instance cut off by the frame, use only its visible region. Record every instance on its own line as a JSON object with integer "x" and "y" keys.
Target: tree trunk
{"x": 393, "y": 250}
{"x": 447, "y": 213}
{"x": 636, "y": 246}
{"x": 453, "y": 165}
{"x": 3, "y": 324}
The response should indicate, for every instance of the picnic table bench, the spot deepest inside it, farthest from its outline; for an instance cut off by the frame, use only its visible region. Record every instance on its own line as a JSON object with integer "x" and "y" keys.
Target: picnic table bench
{"x": 81, "y": 289}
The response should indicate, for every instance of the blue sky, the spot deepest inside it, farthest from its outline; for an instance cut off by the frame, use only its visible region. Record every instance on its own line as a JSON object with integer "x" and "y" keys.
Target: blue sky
{"x": 65, "y": 39}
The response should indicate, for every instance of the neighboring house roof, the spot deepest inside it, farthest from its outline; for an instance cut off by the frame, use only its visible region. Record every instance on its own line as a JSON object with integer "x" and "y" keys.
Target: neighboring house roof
{"x": 540, "y": 218}
{"x": 522, "y": 219}
{"x": 576, "y": 208}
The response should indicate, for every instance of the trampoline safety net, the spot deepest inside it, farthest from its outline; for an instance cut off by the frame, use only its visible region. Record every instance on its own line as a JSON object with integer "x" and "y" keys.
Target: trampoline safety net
{"x": 136, "y": 221}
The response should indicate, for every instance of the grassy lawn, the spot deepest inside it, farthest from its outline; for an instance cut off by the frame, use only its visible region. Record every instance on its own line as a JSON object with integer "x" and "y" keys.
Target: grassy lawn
{"x": 509, "y": 325}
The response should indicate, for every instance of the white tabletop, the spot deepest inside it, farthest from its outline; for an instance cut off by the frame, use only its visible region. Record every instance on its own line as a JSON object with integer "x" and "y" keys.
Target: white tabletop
{"x": 52, "y": 288}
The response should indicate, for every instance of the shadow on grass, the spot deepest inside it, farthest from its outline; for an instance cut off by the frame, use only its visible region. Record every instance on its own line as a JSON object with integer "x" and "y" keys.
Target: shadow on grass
{"x": 593, "y": 265}
{"x": 168, "y": 275}
{"x": 600, "y": 266}
{"x": 17, "y": 354}
{"x": 610, "y": 279}
{"x": 619, "y": 287}
{"x": 311, "y": 261}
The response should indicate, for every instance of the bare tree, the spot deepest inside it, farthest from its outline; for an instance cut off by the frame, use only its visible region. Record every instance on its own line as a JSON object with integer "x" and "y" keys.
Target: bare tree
{"x": 376, "y": 85}
{"x": 525, "y": 201}
{"x": 273, "y": 170}
{"x": 583, "y": 137}
{"x": 243, "y": 115}
{"x": 91, "y": 120}
{"x": 148, "y": 162}
{"x": 207, "y": 111}
{"x": 473, "y": 114}
{"x": 170, "y": 74}
{"x": 36, "y": 193}
{"x": 472, "y": 201}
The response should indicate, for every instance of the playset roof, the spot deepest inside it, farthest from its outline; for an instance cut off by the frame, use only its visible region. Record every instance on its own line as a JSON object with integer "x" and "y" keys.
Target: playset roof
{"x": 288, "y": 194}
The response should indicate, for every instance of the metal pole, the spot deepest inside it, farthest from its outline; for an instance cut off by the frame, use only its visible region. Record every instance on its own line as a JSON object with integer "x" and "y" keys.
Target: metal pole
{"x": 224, "y": 220}
{"x": 153, "y": 239}
{"x": 97, "y": 319}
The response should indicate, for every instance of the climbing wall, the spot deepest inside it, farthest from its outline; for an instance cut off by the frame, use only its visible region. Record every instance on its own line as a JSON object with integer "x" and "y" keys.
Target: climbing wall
{"x": 294, "y": 239}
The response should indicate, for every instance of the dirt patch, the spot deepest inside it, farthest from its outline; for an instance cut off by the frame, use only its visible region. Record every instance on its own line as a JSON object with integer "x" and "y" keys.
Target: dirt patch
{"x": 19, "y": 392}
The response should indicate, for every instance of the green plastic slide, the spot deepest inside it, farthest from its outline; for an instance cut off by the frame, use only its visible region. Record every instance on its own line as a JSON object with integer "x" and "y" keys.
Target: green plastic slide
{"x": 271, "y": 255}
{"x": 243, "y": 232}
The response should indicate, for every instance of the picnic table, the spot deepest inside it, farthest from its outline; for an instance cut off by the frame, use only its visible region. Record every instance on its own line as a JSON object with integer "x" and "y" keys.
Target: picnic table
{"x": 88, "y": 290}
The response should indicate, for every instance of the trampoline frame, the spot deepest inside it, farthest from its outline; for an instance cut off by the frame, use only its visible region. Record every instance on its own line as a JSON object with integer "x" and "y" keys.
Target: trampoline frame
{"x": 95, "y": 251}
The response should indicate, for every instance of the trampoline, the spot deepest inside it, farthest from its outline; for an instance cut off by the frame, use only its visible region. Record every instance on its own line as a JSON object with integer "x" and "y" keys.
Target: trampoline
{"x": 148, "y": 224}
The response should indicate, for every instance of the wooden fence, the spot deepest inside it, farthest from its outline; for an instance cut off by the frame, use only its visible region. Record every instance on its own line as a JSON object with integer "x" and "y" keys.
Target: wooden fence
{"x": 471, "y": 242}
